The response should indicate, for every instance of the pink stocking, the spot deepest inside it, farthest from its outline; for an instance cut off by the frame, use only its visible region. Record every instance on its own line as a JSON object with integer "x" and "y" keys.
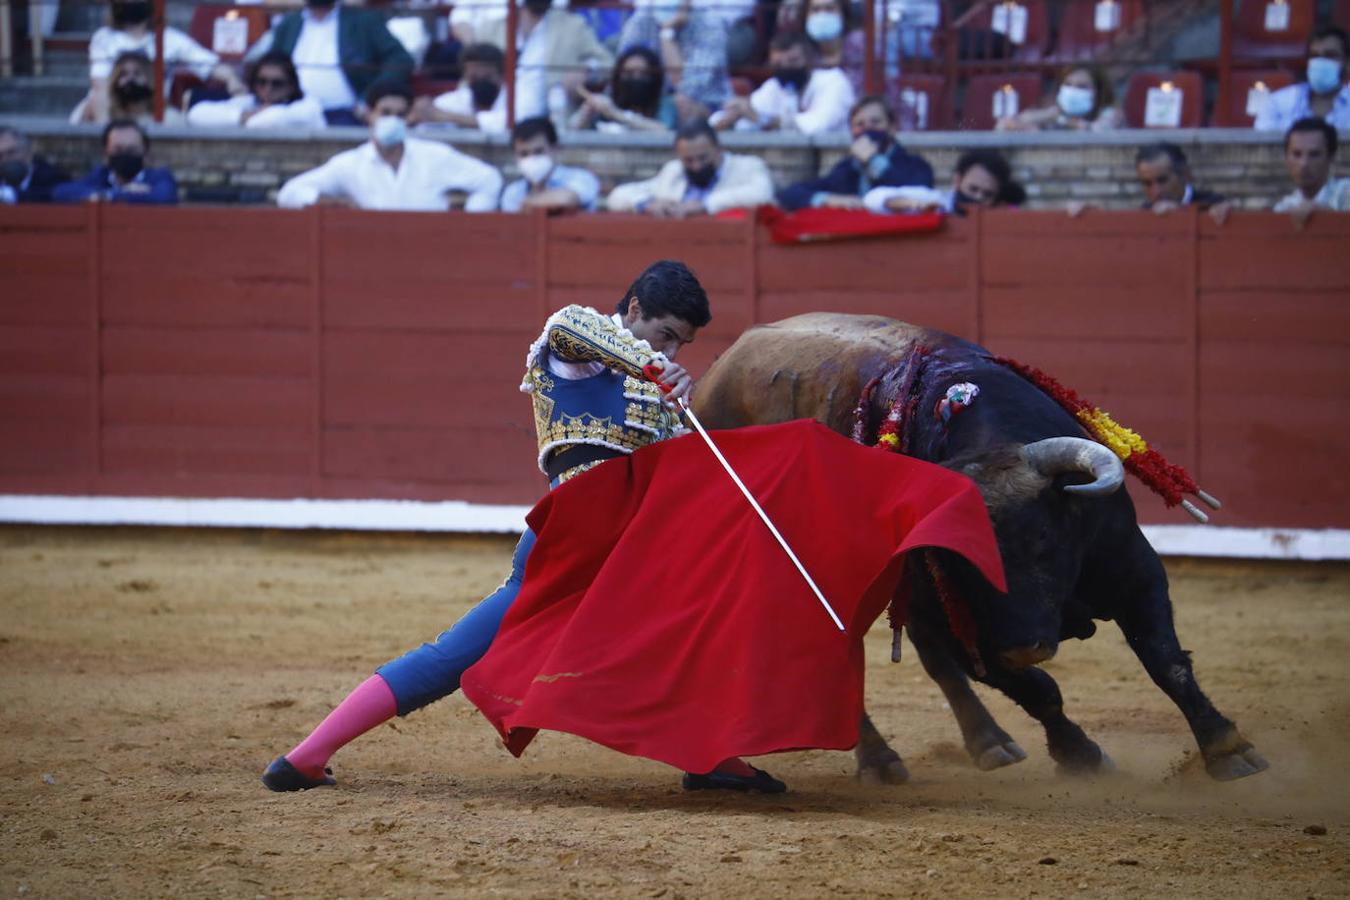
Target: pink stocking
{"x": 371, "y": 704}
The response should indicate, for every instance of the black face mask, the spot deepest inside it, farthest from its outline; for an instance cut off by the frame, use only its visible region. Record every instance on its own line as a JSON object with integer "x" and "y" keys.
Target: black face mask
{"x": 637, "y": 92}
{"x": 701, "y": 178}
{"x": 126, "y": 165}
{"x": 879, "y": 137}
{"x": 129, "y": 93}
{"x": 485, "y": 92}
{"x": 13, "y": 172}
{"x": 538, "y": 7}
{"x": 133, "y": 13}
{"x": 961, "y": 202}
{"x": 794, "y": 78}
{"x": 321, "y": 4}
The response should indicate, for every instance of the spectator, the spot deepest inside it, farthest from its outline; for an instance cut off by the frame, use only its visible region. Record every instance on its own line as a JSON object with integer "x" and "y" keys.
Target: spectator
{"x": 130, "y": 32}
{"x": 340, "y": 52}
{"x": 546, "y": 183}
{"x": 637, "y": 99}
{"x": 275, "y": 100}
{"x": 701, "y": 180}
{"x": 799, "y": 96}
{"x": 1309, "y": 151}
{"x": 393, "y": 171}
{"x": 479, "y": 101}
{"x": 554, "y": 47}
{"x": 692, "y": 43}
{"x": 25, "y": 177}
{"x": 982, "y": 178}
{"x": 123, "y": 177}
{"x": 875, "y": 159}
{"x": 129, "y": 95}
{"x": 471, "y": 22}
{"x": 1165, "y": 175}
{"x": 1323, "y": 95}
{"x": 1084, "y": 102}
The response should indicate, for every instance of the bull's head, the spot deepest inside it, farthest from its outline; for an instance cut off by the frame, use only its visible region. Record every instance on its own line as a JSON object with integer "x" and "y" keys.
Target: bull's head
{"x": 1041, "y": 498}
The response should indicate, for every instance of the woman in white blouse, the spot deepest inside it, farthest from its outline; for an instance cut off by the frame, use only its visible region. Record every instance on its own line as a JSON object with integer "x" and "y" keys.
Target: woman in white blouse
{"x": 130, "y": 31}
{"x": 275, "y": 101}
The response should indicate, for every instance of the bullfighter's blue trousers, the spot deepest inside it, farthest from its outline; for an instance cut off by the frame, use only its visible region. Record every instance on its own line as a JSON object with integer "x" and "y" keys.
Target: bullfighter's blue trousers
{"x": 432, "y": 671}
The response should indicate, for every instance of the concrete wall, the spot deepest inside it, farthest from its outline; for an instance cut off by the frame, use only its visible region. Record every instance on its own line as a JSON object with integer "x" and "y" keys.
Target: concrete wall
{"x": 240, "y": 166}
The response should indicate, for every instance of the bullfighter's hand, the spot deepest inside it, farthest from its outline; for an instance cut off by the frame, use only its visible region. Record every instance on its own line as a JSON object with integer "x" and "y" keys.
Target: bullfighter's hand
{"x": 678, "y": 380}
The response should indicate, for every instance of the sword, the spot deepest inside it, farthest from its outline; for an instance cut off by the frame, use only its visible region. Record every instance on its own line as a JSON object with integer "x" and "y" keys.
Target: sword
{"x": 653, "y": 372}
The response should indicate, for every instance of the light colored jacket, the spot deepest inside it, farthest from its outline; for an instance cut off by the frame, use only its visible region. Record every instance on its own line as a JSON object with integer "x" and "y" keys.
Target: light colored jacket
{"x": 742, "y": 182}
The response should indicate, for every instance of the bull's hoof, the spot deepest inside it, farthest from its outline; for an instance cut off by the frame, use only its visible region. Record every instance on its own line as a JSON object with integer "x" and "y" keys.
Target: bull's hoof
{"x": 1235, "y": 765}
{"x": 890, "y": 770}
{"x": 1079, "y": 769}
{"x": 1006, "y": 753}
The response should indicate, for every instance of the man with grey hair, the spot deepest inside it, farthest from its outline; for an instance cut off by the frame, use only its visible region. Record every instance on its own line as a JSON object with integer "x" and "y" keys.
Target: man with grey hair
{"x": 24, "y": 177}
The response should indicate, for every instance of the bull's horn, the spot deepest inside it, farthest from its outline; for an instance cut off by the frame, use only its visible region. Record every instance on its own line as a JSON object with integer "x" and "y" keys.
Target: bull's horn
{"x": 1061, "y": 455}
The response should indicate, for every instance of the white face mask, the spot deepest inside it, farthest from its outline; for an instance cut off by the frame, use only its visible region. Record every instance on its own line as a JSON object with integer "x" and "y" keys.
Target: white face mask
{"x": 824, "y": 26}
{"x": 389, "y": 131}
{"x": 535, "y": 168}
{"x": 1074, "y": 101}
{"x": 665, "y": 10}
{"x": 1324, "y": 75}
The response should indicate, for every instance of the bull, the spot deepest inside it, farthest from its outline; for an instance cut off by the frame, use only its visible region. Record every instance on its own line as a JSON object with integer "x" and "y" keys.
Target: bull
{"x": 1071, "y": 545}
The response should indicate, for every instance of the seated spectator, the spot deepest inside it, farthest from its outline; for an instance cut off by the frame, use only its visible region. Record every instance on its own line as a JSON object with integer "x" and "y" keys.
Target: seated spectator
{"x": 1165, "y": 175}
{"x": 692, "y": 41}
{"x": 129, "y": 95}
{"x": 1323, "y": 95}
{"x": 275, "y": 100}
{"x": 799, "y": 97}
{"x": 471, "y": 22}
{"x": 25, "y": 177}
{"x": 637, "y": 98}
{"x": 982, "y": 178}
{"x": 339, "y": 52}
{"x": 876, "y": 158}
{"x": 1309, "y": 150}
{"x": 479, "y": 101}
{"x": 701, "y": 180}
{"x": 1084, "y": 102}
{"x": 130, "y": 32}
{"x": 554, "y": 47}
{"x": 123, "y": 177}
{"x": 393, "y": 171}
{"x": 546, "y": 183}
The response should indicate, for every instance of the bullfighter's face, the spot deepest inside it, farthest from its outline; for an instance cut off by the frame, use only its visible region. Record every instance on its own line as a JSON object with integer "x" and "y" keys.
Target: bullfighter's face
{"x": 666, "y": 334}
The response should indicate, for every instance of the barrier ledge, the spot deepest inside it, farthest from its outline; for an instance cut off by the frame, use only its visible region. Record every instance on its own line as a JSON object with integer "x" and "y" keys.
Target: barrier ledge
{"x": 456, "y": 516}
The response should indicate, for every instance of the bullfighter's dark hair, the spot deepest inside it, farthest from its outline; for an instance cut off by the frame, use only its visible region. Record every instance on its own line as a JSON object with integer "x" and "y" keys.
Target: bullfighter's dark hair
{"x": 1010, "y": 192}
{"x": 282, "y": 61}
{"x": 1322, "y": 32}
{"x": 1313, "y": 123}
{"x": 695, "y": 129}
{"x": 485, "y": 53}
{"x": 533, "y": 127}
{"x": 872, "y": 100}
{"x": 389, "y": 87}
{"x": 1161, "y": 149}
{"x": 786, "y": 40}
{"x": 669, "y": 288}
{"x": 120, "y": 124}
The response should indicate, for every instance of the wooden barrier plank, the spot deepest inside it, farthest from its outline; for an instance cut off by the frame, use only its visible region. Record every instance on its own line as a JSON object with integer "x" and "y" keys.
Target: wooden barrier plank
{"x": 178, "y": 450}
{"x": 909, "y": 263}
{"x": 29, "y": 397}
{"x": 1265, "y": 252}
{"x": 39, "y": 350}
{"x": 1074, "y": 312}
{"x": 42, "y": 447}
{"x": 1000, "y": 224}
{"x": 212, "y": 400}
{"x": 501, "y": 456}
{"x": 944, "y": 310}
{"x": 217, "y": 351}
{"x": 200, "y": 484}
{"x": 1294, "y": 318}
{"x": 187, "y": 300}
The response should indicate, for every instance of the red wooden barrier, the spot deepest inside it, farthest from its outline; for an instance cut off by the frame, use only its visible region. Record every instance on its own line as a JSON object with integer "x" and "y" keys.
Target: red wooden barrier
{"x": 332, "y": 353}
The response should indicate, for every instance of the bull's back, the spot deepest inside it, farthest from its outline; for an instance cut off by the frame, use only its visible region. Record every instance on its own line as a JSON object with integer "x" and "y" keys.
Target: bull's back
{"x": 810, "y": 366}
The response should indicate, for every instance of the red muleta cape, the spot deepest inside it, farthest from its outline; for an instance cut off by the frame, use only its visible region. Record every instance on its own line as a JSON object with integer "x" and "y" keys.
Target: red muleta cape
{"x": 659, "y": 617}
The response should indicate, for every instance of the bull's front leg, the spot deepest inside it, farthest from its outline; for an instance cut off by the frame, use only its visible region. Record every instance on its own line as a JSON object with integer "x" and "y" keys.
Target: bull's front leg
{"x": 989, "y": 746}
{"x": 877, "y": 762}
{"x": 1036, "y": 692}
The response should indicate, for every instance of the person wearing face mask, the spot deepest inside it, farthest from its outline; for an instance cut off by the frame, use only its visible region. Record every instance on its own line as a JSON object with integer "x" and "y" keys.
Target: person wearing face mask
{"x": 274, "y": 101}
{"x": 701, "y": 180}
{"x": 131, "y": 95}
{"x": 1323, "y": 94}
{"x": 1083, "y": 102}
{"x": 131, "y": 32}
{"x": 799, "y": 97}
{"x": 25, "y": 177}
{"x": 339, "y": 52}
{"x": 123, "y": 177}
{"x": 393, "y": 171}
{"x": 479, "y": 101}
{"x": 875, "y": 159}
{"x": 545, "y": 183}
{"x": 637, "y": 98}
{"x": 982, "y": 178}
{"x": 692, "y": 42}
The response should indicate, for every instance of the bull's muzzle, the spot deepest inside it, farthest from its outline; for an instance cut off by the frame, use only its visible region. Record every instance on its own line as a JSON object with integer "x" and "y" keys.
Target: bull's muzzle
{"x": 1025, "y": 657}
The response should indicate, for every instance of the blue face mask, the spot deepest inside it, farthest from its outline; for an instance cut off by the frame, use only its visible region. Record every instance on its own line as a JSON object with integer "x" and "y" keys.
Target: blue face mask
{"x": 1074, "y": 101}
{"x": 1324, "y": 75}
{"x": 824, "y": 26}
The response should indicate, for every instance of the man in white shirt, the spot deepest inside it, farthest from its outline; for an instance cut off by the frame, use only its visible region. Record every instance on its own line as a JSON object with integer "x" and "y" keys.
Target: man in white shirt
{"x": 799, "y": 97}
{"x": 1309, "y": 151}
{"x": 701, "y": 180}
{"x": 1324, "y": 94}
{"x": 393, "y": 171}
{"x": 479, "y": 102}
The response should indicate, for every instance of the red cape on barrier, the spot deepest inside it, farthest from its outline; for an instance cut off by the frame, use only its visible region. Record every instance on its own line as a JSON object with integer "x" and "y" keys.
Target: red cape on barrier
{"x": 659, "y": 617}
{"x": 822, "y": 224}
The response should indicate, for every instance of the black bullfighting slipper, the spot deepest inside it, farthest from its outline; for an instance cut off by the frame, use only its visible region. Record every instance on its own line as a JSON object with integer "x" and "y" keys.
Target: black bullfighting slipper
{"x": 761, "y": 781}
{"x": 282, "y": 776}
